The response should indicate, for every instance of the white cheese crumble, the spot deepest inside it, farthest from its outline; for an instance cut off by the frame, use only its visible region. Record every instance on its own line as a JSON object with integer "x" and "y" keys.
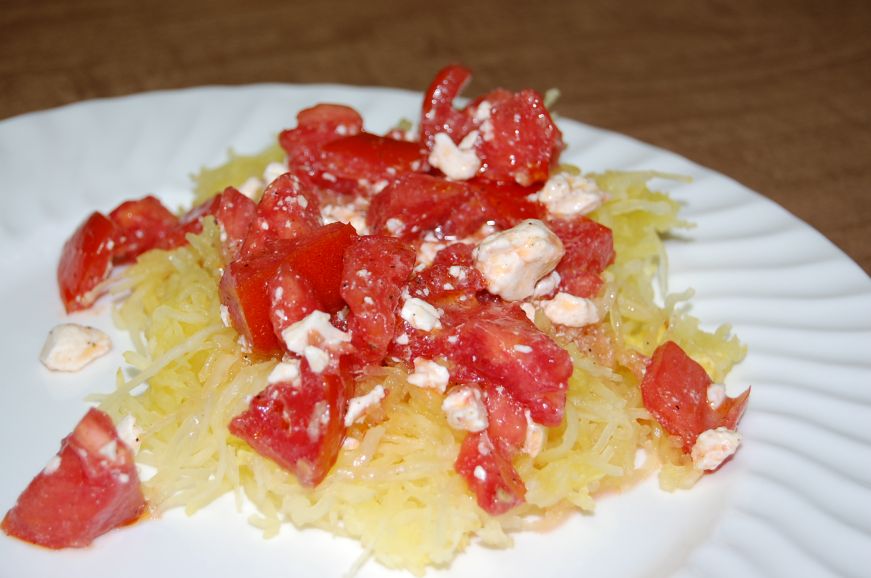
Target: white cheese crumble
{"x": 129, "y": 432}
{"x": 298, "y": 336}
{"x": 567, "y": 195}
{"x": 457, "y": 162}
{"x": 570, "y": 310}
{"x": 70, "y": 347}
{"x": 317, "y": 358}
{"x": 286, "y": 371}
{"x": 357, "y": 406}
{"x": 482, "y": 115}
{"x": 273, "y": 171}
{"x": 427, "y": 252}
{"x": 353, "y": 214}
{"x": 251, "y": 187}
{"x": 428, "y": 373}
{"x": 713, "y": 447}
{"x": 520, "y": 348}
{"x": 225, "y": 315}
{"x": 529, "y": 309}
{"x": 547, "y": 285}
{"x": 480, "y": 473}
{"x": 716, "y": 395}
{"x": 513, "y": 261}
{"x": 394, "y": 226}
{"x": 465, "y": 410}
{"x": 402, "y": 339}
{"x": 420, "y": 314}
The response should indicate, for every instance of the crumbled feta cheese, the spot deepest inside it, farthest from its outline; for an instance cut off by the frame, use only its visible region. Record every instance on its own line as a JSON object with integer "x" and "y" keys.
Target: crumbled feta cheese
{"x": 513, "y": 261}
{"x": 251, "y": 187}
{"x": 357, "y": 406}
{"x": 567, "y": 195}
{"x": 352, "y": 213}
{"x": 534, "y": 436}
{"x": 70, "y": 347}
{"x": 129, "y": 432}
{"x": 482, "y": 115}
{"x": 317, "y": 358}
{"x": 547, "y": 285}
{"x": 572, "y": 311}
{"x": 522, "y": 348}
{"x": 286, "y": 371}
{"x": 52, "y": 465}
{"x": 457, "y": 272}
{"x": 428, "y": 373}
{"x": 420, "y": 314}
{"x": 529, "y": 309}
{"x": 394, "y": 226}
{"x": 713, "y": 447}
{"x": 716, "y": 395}
{"x": 457, "y": 162}
{"x": 273, "y": 171}
{"x": 427, "y": 252}
{"x": 480, "y": 473}
{"x": 402, "y": 339}
{"x": 465, "y": 410}
{"x": 299, "y": 335}
{"x": 319, "y": 418}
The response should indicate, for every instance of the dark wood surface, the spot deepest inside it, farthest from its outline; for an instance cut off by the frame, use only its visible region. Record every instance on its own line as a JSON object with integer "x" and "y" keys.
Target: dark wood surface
{"x": 774, "y": 93}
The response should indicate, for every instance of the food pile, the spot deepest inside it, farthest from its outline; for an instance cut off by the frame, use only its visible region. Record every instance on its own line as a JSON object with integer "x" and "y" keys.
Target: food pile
{"x": 414, "y": 339}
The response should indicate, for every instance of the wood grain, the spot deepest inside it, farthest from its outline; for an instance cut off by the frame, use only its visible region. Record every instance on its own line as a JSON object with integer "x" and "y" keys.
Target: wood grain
{"x": 776, "y": 94}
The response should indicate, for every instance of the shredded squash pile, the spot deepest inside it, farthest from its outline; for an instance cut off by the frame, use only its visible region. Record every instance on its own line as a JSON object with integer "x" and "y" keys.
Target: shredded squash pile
{"x": 397, "y": 491}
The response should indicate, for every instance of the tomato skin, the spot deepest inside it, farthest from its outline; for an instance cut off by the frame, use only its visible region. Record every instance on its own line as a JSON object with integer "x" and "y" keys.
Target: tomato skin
{"x": 286, "y": 211}
{"x": 438, "y": 114}
{"x": 674, "y": 390}
{"x": 278, "y": 423}
{"x": 501, "y": 488}
{"x": 526, "y": 142}
{"x": 537, "y": 379}
{"x": 86, "y": 496}
{"x": 234, "y": 213}
{"x": 316, "y": 126}
{"x": 140, "y": 225}
{"x": 374, "y": 272}
{"x": 589, "y": 250}
{"x": 422, "y": 203}
{"x": 86, "y": 260}
{"x": 370, "y": 157}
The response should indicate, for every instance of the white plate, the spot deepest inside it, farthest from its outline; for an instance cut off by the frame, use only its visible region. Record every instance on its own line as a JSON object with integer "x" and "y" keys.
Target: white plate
{"x": 796, "y": 501}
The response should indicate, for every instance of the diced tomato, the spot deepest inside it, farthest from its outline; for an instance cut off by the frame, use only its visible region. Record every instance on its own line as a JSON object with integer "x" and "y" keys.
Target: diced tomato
{"x": 244, "y": 290}
{"x": 589, "y": 250}
{"x": 674, "y": 390}
{"x": 499, "y": 344}
{"x": 525, "y": 142}
{"x": 371, "y": 158}
{"x": 140, "y": 225}
{"x": 291, "y": 298}
{"x": 438, "y": 114}
{"x": 85, "y": 262}
{"x": 316, "y": 257}
{"x": 506, "y": 203}
{"x": 89, "y": 488}
{"x": 419, "y": 203}
{"x": 506, "y": 420}
{"x": 452, "y": 274}
{"x": 286, "y": 211}
{"x": 375, "y": 270}
{"x": 489, "y": 474}
{"x": 234, "y": 213}
{"x": 316, "y": 126}
{"x": 300, "y": 426}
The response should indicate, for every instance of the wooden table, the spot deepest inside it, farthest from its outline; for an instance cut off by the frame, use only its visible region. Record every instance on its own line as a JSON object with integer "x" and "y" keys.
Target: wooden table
{"x": 776, "y": 94}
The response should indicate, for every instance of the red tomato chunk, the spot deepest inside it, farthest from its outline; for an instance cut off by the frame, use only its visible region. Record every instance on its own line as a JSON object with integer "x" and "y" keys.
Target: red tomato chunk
{"x": 89, "y": 488}
{"x": 489, "y": 474}
{"x": 85, "y": 262}
{"x": 589, "y": 250}
{"x": 298, "y": 425}
{"x": 140, "y": 225}
{"x": 675, "y": 390}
